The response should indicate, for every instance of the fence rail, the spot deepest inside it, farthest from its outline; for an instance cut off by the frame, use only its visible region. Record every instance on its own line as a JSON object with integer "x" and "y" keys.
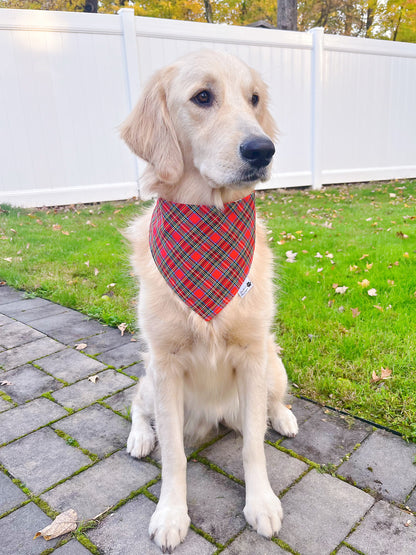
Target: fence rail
{"x": 344, "y": 106}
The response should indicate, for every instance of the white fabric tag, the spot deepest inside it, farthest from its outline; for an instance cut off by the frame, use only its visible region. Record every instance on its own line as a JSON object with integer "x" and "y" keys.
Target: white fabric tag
{"x": 245, "y": 288}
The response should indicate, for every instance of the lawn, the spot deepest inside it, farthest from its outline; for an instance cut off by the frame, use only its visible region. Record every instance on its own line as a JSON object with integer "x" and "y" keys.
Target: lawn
{"x": 346, "y": 266}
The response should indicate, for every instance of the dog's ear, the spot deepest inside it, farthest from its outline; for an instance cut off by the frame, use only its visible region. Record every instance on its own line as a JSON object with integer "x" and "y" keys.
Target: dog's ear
{"x": 149, "y": 131}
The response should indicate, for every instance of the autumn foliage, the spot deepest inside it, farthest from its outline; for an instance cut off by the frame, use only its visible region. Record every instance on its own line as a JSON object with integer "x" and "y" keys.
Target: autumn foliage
{"x": 388, "y": 19}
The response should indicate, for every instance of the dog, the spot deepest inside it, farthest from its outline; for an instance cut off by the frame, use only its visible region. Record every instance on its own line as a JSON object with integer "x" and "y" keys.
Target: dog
{"x": 205, "y": 131}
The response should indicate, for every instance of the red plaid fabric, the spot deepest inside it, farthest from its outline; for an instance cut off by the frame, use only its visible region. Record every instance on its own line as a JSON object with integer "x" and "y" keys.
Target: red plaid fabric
{"x": 204, "y": 253}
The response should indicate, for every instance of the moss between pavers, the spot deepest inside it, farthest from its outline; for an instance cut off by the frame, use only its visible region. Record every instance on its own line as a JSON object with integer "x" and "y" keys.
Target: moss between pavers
{"x": 354, "y": 549}
{"x": 87, "y": 543}
{"x": 7, "y": 398}
{"x": 74, "y": 443}
{"x": 48, "y": 395}
{"x": 285, "y": 546}
{"x": 293, "y": 454}
{"x": 48, "y": 373}
{"x": 213, "y": 466}
{"x": 126, "y": 416}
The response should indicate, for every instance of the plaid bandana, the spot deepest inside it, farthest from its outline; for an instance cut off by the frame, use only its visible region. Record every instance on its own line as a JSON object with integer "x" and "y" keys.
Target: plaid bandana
{"x": 204, "y": 253}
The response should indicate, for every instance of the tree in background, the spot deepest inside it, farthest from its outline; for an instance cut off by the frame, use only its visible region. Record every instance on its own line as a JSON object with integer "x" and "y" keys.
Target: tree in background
{"x": 287, "y": 15}
{"x": 384, "y": 19}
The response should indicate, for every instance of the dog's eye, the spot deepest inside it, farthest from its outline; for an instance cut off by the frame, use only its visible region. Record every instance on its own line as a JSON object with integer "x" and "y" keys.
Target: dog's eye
{"x": 255, "y": 99}
{"x": 203, "y": 98}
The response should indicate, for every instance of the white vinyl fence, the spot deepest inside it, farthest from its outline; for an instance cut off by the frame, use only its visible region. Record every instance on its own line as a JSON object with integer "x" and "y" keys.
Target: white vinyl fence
{"x": 345, "y": 107}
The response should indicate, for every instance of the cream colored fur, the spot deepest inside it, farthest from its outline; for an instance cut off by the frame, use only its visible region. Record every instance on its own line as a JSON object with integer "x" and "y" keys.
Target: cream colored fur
{"x": 200, "y": 373}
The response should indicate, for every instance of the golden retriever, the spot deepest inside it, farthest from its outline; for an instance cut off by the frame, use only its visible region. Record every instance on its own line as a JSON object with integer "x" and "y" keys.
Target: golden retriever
{"x": 203, "y": 126}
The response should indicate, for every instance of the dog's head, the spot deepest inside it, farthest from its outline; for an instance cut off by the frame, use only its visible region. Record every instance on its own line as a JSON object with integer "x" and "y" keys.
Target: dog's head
{"x": 203, "y": 120}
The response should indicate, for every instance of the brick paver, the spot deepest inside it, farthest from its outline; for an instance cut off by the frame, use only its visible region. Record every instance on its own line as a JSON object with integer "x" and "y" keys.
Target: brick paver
{"x": 384, "y": 463}
{"x": 97, "y": 429}
{"x": 11, "y": 495}
{"x": 70, "y": 365}
{"x": 27, "y": 382}
{"x": 63, "y": 439}
{"x": 130, "y": 524}
{"x": 319, "y": 512}
{"x": 386, "y": 529}
{"x": 101, "y": 486}
{"x": 41, "y": 468}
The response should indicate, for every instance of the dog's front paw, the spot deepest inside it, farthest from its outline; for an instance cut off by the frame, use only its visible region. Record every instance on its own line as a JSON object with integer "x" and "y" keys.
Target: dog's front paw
{"x": 141, "y": 441}
{"x": 264, "y": 514}
{"x": 169, "y": 526}
{"x": 284, "y": 421}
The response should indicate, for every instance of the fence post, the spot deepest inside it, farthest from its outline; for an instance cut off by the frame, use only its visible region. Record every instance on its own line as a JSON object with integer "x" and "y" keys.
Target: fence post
{"x": 316, "y": 106}
{"x": 131, "y": 58}
{"x": 131, "y": 65}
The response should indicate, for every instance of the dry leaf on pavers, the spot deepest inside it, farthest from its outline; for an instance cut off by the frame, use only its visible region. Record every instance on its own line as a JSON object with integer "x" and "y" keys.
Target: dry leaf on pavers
{"x": 63, "y": 524}
{"x": 385, "y": 375}
{"x": 81, "y": 346}
{"x": 122, "y": 327}
{"x": 4, "y": 382}
{"x": 93, "y": 379}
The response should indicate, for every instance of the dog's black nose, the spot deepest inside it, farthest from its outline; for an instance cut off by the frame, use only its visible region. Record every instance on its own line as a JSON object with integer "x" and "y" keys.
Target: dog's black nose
{"x": 258, "y": 151}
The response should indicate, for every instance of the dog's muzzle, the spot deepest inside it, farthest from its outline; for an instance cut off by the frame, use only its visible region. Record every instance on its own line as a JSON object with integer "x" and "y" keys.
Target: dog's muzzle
{"x": 257, "y": 151}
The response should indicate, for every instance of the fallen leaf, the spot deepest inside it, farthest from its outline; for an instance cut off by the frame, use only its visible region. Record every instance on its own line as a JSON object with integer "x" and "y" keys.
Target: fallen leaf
{"x": 63, "y": 524}
{"x": 81, "y": 346}
{"x": 372, "y": 292}
{"x": 341, "y": 290}
{"x": 355, "y": 312}
{"x": 405, "y": 254}
{"x": 4, "y": 382}
{"x": 93, "y": 379}
{"x": 291, "y": 256}
{"x": 318, "y": 255}
{"x": 122, "y": 327}
{"x": 384, "y": 375}
{"x": 87, "y": 263}
{"x": 364, "y": 256}
{"x": 331, "y": 303}
{"x": 380, "y": 308}
{"x": 96, "y": 271}
{"x": 65, "y": 233}
{"x": 402, "y": 235}
{"x": 320, "y": 269}
{"x": 56, "y": 227}
{"x": 369, "y": 266}
{"x": 364, "y": 283}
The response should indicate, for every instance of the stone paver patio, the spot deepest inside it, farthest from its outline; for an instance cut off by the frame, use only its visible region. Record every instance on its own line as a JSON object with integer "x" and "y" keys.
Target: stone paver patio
{"x": 346, "y": 486}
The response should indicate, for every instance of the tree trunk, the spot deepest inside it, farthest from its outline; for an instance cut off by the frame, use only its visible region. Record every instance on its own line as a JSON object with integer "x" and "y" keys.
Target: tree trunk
{"x": 91, "y": 6}
{"x": 208, "y": 11}
{"x": 369, "y": 22}
{"x": 287, "y": 12}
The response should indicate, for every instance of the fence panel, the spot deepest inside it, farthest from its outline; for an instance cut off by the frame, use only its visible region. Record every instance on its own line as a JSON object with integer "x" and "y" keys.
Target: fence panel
{"x": 344, "y": 107}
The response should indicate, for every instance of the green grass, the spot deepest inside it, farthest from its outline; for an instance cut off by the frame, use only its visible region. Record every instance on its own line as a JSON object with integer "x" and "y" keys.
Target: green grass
{"x": 332, "y": 342}
{"x": 74, "y": 256}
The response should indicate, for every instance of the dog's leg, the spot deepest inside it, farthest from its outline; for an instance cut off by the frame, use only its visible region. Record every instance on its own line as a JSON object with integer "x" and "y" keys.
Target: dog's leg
{"x": 263, "y": 510}
{"x": 141, "y": 439}
{"x": 282, "y": 419}
{"x": 170, "y": 522}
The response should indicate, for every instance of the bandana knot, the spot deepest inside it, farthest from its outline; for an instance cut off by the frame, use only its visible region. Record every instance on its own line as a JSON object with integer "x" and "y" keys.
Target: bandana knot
{"x": 204, "y": 253}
